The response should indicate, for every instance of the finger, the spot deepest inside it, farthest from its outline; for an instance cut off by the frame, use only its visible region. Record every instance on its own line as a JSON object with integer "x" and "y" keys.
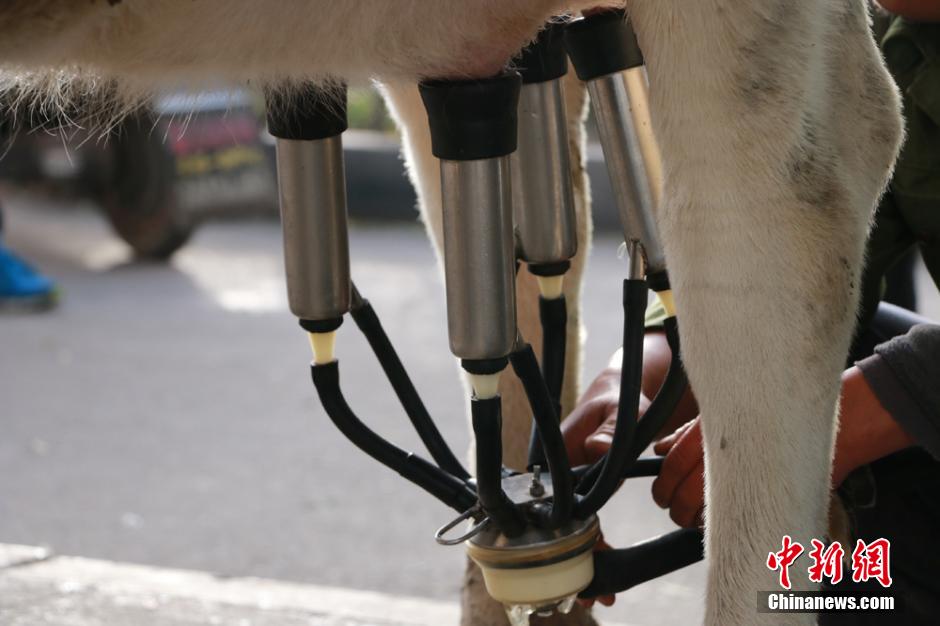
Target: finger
{"x": 598, "y": 443}
{"x": 607, "y": 600}
{"x": 682, "y": 459}
{"x": 689, "y": 498}
{"x": 583, "y": 422}
{"x": 665, "y": 444}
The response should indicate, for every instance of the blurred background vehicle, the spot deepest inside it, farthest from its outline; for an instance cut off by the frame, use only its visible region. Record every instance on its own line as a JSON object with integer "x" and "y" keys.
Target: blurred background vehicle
{"x": 160, "y": 170}
{"x": 189, "y": 157}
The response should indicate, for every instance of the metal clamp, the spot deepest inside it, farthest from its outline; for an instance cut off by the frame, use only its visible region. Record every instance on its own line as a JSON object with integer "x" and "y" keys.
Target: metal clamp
{"x": 474, "y": 530}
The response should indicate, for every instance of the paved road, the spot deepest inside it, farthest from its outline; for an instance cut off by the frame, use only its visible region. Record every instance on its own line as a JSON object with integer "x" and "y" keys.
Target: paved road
{"x": 163, "y": 414}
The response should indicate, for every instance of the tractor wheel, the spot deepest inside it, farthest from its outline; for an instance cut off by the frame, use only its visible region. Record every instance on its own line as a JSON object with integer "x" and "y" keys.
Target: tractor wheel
{"x": 140, "y": 197}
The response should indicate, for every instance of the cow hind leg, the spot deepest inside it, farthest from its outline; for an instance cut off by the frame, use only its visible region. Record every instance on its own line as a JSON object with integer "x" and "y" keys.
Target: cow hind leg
{"x": 779, "y": 126}
{"x": 478, "y": 609}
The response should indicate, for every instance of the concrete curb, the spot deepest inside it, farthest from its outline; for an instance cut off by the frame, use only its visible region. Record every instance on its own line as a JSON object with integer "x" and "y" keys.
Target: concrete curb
{"x": 38, "y": 589}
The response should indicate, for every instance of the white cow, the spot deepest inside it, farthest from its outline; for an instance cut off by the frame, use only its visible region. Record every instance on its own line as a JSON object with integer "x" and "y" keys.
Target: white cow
{"x": 778, "y": 126}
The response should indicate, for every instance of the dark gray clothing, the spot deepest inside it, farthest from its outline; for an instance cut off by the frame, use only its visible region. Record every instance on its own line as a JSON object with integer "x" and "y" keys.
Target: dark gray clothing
{"x": 904, "y": 374}
{"x": 898, "y": 497}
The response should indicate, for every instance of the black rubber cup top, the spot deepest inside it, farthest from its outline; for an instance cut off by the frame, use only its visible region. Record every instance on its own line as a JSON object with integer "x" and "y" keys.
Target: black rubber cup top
{"x": 472, "y": 119}
{"x": 602, "y": 44}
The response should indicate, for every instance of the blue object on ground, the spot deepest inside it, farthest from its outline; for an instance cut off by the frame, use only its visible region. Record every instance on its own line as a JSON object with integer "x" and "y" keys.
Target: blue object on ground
{"x": 21, "y": 286}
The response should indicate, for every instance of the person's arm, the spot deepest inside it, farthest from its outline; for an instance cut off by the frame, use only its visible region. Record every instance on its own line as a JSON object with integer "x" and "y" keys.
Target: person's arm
{"x": 917, "y": 10}
{"x": 889, "y": 402}
{"x": 867, "y": 432}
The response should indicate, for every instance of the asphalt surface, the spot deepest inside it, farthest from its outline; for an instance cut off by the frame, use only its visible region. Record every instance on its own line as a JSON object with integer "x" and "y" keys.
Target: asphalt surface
{"x": 163, "y": 414}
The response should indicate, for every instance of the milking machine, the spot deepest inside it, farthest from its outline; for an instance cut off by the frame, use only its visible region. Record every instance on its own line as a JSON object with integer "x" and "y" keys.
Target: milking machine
{"x": 507, "y": 203}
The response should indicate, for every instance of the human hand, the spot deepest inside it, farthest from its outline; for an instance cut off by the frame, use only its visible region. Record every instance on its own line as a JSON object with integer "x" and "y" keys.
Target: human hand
{"x": 917, "y": 10}
{"x": 866, "y": 432}
{"x": 680, "y": 486}
{"x": 588, "y": 431}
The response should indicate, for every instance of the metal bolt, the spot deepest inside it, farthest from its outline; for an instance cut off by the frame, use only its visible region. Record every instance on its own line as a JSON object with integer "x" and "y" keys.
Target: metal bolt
{"x": 536, "y": 488}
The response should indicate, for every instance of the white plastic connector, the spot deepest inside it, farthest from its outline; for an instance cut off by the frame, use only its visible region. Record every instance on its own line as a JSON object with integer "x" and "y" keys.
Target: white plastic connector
{"x": 551, "y": 287}
{"x": 669, "y": 304}
{"x": 323, "y": 346}
{"x": 485, "y": 386}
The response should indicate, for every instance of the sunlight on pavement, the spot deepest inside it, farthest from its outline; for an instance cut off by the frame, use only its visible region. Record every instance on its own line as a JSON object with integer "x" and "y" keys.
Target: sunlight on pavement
{"x": 239, "y": 282}
{"x": 104, "y": 255}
